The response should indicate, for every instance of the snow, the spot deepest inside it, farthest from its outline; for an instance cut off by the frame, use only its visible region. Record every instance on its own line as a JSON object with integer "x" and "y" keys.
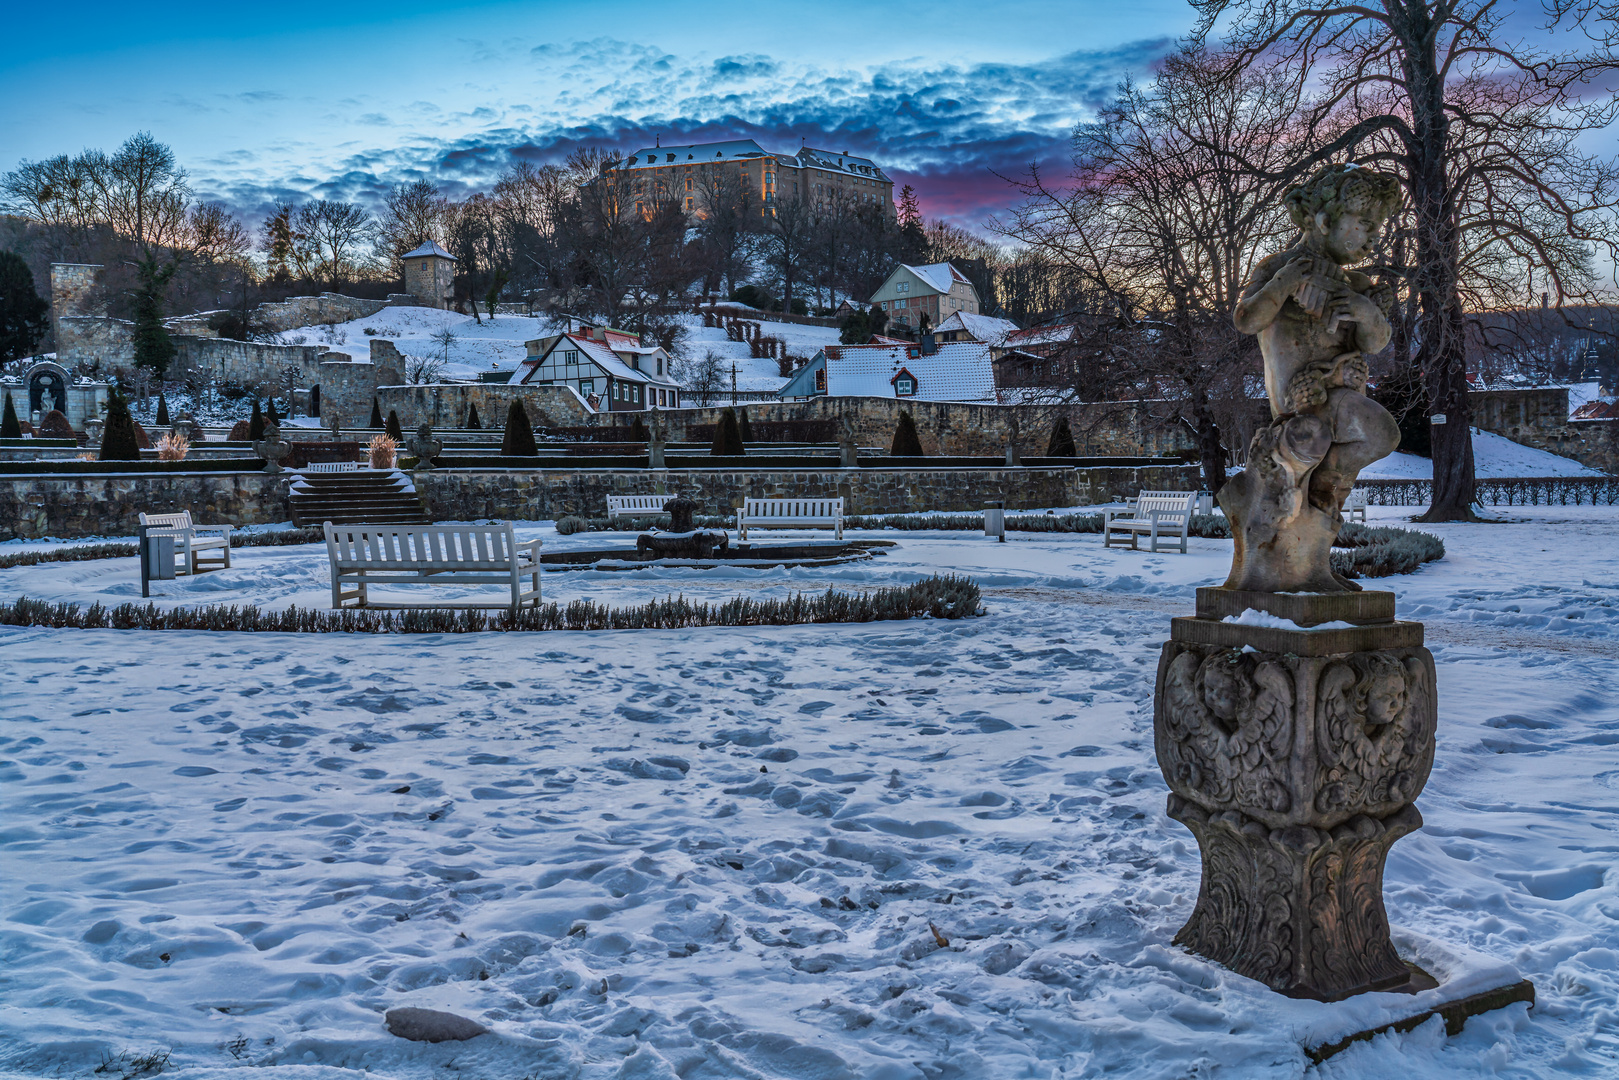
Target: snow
{"x": 1493, "y": 456}
{"x": 723, "y": 852}
{"x": 498, "y": 343}
{"x": 1255, "y": 617}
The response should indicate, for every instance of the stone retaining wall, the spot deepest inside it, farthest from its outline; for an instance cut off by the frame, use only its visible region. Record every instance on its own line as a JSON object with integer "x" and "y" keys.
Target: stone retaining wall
{"x": 1538, "y": 417}
{"x": 78, "y": 506}
{"x": 446, "y": 404}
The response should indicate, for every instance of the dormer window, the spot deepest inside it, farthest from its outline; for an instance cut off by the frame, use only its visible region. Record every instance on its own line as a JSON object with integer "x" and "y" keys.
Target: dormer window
{"x": 904, "y": 382}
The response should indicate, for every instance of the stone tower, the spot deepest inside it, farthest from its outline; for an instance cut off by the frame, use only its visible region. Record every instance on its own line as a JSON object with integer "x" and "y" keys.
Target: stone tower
{"x": 429, "y": 272}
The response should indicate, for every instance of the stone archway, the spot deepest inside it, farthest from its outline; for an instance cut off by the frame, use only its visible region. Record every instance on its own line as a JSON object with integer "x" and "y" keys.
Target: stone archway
{"x": 47, "y": 385}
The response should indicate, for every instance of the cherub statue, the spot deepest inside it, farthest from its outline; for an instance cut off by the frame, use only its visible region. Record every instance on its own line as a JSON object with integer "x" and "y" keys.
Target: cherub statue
{"x": 1316, "y": 320}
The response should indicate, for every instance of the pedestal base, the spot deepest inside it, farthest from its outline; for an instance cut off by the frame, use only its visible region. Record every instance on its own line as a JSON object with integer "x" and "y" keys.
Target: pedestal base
{"x": 1294, "y": 756}
{"x": 1298, "y": 909}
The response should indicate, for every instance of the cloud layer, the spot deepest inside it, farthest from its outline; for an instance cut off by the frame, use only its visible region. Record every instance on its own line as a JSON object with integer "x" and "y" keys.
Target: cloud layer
{"x": 944, "y": 128}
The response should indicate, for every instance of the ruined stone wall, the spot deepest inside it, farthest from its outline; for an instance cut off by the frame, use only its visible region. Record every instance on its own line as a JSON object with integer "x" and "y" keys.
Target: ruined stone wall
{"x": 252, "y": 364}
{"x": 445, "y": 404}
{"x": 109, "y": 504}
{"x": 328, "y": 307}
{"x": 952, "y": 428}
{"x": 91, "y": 339}
{"x": 1539, "y": 418}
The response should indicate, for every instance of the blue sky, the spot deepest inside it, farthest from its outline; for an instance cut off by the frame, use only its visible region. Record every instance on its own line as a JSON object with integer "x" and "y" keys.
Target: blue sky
{"x": 265, "y": 102}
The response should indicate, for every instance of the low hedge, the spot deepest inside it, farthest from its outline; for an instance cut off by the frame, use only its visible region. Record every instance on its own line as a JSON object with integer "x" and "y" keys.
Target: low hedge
{"x": 78, "y": 468}
{"x": 939, "y": 597}
{"x": 83, "y": 552}
{"x": 1379, "y": 551}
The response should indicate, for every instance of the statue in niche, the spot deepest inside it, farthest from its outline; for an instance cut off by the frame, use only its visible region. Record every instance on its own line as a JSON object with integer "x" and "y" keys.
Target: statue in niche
{"x": 1317, "y": 320}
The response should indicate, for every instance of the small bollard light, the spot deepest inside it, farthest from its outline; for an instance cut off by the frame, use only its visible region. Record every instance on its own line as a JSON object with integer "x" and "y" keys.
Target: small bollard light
{"x": 995, "y": 521}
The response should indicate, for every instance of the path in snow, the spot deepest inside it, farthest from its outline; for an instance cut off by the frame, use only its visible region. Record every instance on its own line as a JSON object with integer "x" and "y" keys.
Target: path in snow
{"x": 718, "y": 853}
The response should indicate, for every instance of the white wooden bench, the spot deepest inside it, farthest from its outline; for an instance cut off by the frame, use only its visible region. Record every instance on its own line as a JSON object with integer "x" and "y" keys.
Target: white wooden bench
{"x": 636, "y": 505}
{"x": 364, "y": 555}
{"x": 1155, "y": 514}
{"x": 330, "y": 466}
{"x": 1355, "y": 505}
{"x": 192, "y": 542}
{"x": 790, "y": 514}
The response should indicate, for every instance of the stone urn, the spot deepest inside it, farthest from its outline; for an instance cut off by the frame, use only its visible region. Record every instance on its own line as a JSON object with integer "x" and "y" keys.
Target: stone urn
{"x": 186, "y": 428}
{"x": 424, "y": 446}
{"x": 93, "y": 430}
{"x": 272, "y": 448}
{"x": 681, "y": 510}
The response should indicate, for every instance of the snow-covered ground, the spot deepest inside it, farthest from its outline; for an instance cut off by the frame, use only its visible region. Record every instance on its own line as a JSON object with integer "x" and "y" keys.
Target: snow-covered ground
{"x": 724, "y": 852}
{"x": 1493, "y": 456}
{"x": 498, "y": 343}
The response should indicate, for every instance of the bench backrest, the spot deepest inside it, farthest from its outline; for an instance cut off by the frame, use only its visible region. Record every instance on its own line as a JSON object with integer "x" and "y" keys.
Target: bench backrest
{"x": 1166, "y": 502}
{"x": 182, "y": 520}
{"x": 1356, "y": 499}
{"x": 406, "y": 547}
{"x": 637, "y": 502}
{"x": 792, "y": 508}
{"x": 331, "y": 466}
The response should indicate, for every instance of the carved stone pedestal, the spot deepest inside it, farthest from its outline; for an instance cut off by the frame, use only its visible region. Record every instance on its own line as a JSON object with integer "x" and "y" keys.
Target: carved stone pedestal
{"x": 1294, "y": 756}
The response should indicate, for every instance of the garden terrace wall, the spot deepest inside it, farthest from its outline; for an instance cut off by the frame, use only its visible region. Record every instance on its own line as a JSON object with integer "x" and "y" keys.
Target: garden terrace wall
{"x": 108, "y": 504}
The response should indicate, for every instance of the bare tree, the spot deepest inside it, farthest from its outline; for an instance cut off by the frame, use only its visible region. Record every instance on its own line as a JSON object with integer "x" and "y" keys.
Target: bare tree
{"x": 701, "y": 379}
{"x": 412, "y": 214}
{"x": 1161, "y": 229}
{"x": 1482, "y": 132}
{"x": 332, "y": 237}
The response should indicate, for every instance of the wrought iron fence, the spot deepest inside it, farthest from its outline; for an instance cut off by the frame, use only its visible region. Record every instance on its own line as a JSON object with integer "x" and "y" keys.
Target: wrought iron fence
{"x": 1505, "y": 491}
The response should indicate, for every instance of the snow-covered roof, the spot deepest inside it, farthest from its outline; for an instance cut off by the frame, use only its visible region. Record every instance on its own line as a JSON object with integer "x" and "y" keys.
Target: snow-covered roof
{"x": 694, "y": 154}
{"x": 1039, "y": 335}
{"x": 985, "y": 328}
{"x": 850, "y": 163}
{"x": 428, "y": 248}
{"x": 939, "y": 276}
{"x": 959, "y": 371}
{"x": 604, "y": 356}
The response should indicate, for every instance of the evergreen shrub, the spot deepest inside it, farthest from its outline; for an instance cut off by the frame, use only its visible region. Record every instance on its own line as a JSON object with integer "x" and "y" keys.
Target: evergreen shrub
{"x": 518, "y": 440}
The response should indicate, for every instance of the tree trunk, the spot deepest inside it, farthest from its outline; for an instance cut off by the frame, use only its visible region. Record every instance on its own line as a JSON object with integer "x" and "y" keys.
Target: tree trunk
{"x": 1210, "y": 452}
{"x": 1442, "y": 352}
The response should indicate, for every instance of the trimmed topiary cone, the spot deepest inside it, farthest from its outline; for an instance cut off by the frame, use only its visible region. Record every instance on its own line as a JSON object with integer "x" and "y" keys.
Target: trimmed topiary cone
{"x": 727, "y": 436}
{"x": 118, "y": 437}
{"x": 376, "y": 415}
{"x": 255, "y": 424}
{"x": 1062, "y": 440}
{"x": 473, "y": 422}
{"x": 162, "y": 411}
{"x": 906, "y": 441}
{"x": 10, "y": 427}
{"x": 519, "y": 438}
{"x": 272, "y": 417}
{"x": 395, "y": 432}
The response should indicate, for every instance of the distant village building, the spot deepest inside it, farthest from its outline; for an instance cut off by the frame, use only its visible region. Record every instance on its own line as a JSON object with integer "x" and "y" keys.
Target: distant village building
{"x": 429, "y": 275}
{"x": 965, "y": 326}
{"x": 933, "y": 292}
{"x": 925, "y": 371}
{"x": 610, "y": 366}
{"x": 821, "y": 177}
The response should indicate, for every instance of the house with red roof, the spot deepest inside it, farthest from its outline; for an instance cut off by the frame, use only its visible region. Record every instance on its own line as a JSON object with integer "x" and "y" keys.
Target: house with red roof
{"x": 611, "y": 369}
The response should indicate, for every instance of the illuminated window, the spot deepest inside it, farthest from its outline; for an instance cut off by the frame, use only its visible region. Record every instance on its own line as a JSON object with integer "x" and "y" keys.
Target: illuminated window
{"x": 820, "y": 381}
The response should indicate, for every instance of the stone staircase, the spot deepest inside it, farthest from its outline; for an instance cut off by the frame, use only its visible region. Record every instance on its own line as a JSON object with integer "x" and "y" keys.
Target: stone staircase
{"x": 362, "y": 497}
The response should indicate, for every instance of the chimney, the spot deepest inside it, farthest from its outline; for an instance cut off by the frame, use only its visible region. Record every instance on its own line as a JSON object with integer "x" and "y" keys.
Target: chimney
{"x": 929, "y": 345}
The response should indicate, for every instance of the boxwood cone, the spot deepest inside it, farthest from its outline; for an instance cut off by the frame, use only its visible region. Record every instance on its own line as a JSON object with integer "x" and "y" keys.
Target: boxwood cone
{"x": 118, "y": 437}
{"x": 10, "y": 427}
{"x": 376, "y": 416}
{"x": 473, "y": 422}
{"x": 395, "y": 432}
{"x": 272, "y": 417}
{"x": 255, "y": 423}
{"x": 906, "y": 442}
{"x": 727, "y": 436}
{"x": 162, "y": 411}
{"x": 1062, "y": 440}
{"x": 519, "y": 438}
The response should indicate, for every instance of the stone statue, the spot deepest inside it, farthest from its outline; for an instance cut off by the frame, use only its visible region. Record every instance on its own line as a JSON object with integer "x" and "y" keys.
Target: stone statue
{"x": 334, "y": 422}
{"x": 1294, "y": 752}
{"x": 848, "y": 448}
{"x": 655, "y": 441}
{"x": 1316, "y": 320}
{"x": 1014, "y": 436}
{"x": 424, "y": 446}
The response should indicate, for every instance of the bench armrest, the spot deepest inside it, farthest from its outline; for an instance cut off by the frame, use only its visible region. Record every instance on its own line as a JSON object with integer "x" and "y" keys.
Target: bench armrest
{"x": 533, "y": 547}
